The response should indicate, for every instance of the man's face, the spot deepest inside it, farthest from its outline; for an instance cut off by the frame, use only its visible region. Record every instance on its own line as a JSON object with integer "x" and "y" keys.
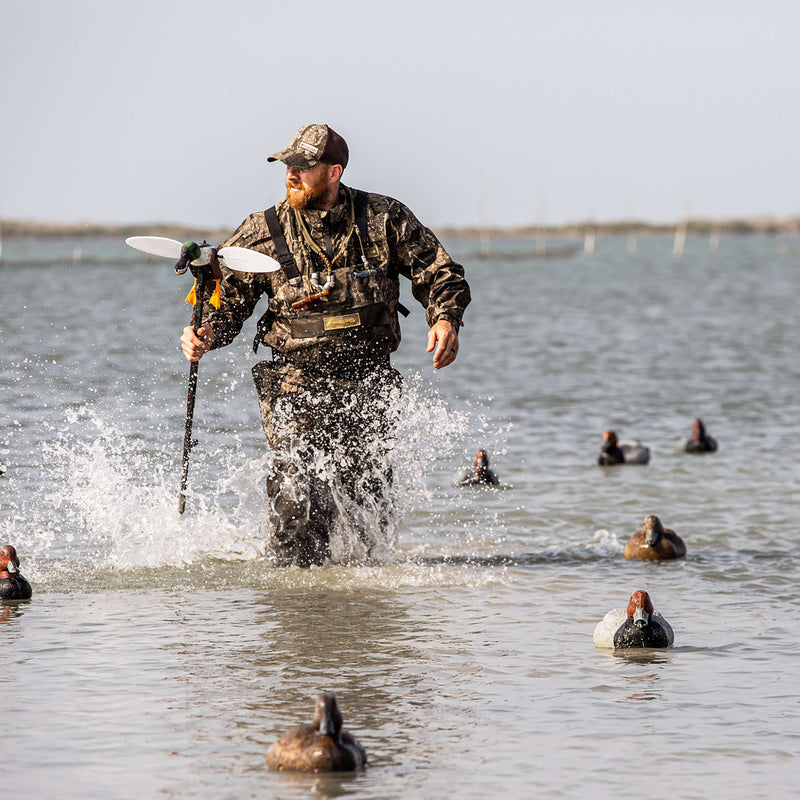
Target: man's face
{"x": 306, "y": 187}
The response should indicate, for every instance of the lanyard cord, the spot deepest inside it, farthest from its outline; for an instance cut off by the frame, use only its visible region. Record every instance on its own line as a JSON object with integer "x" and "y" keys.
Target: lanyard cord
{"x": 309, "y": 240}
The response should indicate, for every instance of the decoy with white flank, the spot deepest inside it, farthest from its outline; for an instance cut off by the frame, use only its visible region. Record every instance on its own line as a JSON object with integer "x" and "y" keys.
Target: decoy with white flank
{"x": 622, "y": 451}
{"x": 638, "y": 625}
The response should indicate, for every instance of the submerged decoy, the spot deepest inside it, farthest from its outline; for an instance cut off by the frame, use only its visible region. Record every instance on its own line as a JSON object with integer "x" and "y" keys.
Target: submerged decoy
{"x": 700, "y": 442}
{"x": 321, "y": 746}
{"x": 654, "y": 542}
{"x": 13, "y": 586}
{"x": 624, "y": 451}
{"x": 479, "y": 475}
{"x": 638, "y": 625}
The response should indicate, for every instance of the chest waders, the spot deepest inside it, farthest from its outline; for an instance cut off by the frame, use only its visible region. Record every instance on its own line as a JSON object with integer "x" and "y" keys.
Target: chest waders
{"x": 330, "y": 435}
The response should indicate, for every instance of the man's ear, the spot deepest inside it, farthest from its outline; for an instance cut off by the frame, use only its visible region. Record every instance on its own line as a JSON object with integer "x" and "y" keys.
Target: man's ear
{"x": 336, "y": 172}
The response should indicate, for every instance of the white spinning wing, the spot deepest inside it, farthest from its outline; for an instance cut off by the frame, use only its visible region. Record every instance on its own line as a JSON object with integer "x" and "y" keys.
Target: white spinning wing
{"x": 156, "y": 245}
{"x": 241, "y": 259}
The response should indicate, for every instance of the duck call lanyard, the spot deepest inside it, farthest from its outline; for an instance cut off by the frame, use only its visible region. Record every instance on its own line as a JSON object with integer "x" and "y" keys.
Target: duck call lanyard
{"x": 316, "y": 289}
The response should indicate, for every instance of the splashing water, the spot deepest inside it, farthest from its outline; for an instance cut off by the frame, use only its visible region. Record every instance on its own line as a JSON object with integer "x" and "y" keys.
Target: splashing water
{"x": 354, "y": 466}
{"x": 108, "y": 496}
{"x": 116, "y": 500}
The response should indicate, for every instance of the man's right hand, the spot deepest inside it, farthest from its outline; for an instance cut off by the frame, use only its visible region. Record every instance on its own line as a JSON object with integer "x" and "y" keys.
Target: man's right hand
{"x": 196, "y": 345}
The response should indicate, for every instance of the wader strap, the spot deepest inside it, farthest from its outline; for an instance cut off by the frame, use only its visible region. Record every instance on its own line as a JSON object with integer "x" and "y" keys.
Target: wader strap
{"x": 360, "y": 206}
{"x": 263, "y": 327}
{"x": 285, "y": 257}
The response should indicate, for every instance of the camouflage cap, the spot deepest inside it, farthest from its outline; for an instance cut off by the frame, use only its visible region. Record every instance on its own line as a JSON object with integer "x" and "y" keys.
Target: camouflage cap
{"x": 311, "y": 145}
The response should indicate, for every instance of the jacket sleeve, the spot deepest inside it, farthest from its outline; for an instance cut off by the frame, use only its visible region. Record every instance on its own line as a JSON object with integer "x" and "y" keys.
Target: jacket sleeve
{"x": 240, "y": 291}
{"x": 437, "y": 281}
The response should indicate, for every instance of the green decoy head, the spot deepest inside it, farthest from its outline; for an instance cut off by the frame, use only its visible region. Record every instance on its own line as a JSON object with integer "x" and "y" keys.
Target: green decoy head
{"x": 190, "y": 251}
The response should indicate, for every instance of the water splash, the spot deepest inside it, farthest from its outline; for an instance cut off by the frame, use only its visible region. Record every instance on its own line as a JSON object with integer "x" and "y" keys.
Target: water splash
{"x": 605, "y": 544}
{"x": 115, "y": 499}
{"x": 374, "y": 454}
{"x": 107, "y": 491}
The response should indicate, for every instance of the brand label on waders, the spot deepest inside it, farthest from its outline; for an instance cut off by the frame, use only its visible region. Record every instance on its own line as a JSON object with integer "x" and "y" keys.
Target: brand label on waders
{"x": 345, "y": 321}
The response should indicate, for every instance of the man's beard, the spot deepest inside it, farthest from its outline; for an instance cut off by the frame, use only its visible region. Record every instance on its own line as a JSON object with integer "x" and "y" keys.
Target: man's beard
{"x": 300, "y": 196}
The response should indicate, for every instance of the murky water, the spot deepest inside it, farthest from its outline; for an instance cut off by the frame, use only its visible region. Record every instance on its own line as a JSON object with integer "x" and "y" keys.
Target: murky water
{"x": 160, "y": 656}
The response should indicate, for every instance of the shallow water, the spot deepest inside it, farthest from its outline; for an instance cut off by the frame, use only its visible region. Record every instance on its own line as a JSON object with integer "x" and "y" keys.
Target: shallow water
{"x": 160, "y": 656}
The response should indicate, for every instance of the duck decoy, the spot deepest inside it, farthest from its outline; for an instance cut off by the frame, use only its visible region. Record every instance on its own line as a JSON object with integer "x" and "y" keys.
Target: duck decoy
{"x": 622, "y": 451}
{"x": 638, "y": 625}
{"x": 321, "y": 746}
{"x": 13, "y": 586}
{"x": 479, "y": 475}
{"x": 700, "y": 442}
{"x": 654, "y": 542}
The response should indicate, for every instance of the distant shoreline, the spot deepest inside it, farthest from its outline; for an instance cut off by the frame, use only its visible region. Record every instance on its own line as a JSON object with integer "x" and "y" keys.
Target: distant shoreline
{"x": 25, "y": 229}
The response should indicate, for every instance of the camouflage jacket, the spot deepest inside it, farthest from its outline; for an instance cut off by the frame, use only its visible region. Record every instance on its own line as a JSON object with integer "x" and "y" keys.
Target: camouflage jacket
{"x": 359, "y": 311}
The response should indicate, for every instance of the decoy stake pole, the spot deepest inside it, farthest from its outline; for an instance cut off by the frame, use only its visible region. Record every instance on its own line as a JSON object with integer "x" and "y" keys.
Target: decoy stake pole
{"x": 202, "y": 275}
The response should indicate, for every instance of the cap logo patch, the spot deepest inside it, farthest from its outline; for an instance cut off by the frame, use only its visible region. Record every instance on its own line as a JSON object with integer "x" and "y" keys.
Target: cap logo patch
{"x": 310, "y": 147}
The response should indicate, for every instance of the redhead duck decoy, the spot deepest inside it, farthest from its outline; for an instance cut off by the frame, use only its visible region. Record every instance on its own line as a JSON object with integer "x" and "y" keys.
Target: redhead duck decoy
{"x": 479, "y": 475}
{"x": 638, "y": 625}
{"x": 12, "y": 585}
{"x": 610, "y": 452}
{"x": 625, "y": 451}
{"x": 700, "y": 442}
{"x": 321, "y": 746}
{"x": 654, "y": 542}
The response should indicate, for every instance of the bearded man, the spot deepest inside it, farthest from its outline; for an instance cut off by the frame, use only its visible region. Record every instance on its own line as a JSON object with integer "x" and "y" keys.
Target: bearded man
{"x": 329, "y": 395}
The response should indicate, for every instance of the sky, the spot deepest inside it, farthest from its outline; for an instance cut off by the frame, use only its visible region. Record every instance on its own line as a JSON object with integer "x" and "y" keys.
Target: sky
{"x": 498, "y": 113}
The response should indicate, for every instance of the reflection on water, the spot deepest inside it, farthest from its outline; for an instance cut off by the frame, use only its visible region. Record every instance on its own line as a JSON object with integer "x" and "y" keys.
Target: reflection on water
{"x": 10, "y": 610}
{"x": 643, "y": 655}
{"x": 325, "y": 786}
{"x": 644, "y": 683}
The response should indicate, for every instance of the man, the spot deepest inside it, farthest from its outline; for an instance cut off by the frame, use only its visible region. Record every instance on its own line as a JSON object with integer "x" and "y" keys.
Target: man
{"x": 328, "y": 395}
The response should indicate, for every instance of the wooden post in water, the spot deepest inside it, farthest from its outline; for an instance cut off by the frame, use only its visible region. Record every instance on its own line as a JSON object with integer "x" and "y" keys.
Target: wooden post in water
{"x": 588, "y": 241}
{"x": 679, "y": 243}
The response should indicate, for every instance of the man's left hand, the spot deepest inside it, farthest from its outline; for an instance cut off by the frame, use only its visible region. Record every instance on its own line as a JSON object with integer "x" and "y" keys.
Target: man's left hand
{"x": 444, "y": 337}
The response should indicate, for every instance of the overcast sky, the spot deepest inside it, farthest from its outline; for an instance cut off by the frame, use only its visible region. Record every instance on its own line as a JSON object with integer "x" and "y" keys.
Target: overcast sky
{"x": 502, "y": 112}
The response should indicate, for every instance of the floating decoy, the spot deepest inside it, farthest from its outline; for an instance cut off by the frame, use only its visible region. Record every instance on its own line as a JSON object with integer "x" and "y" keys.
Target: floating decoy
{"x": 700, "y": 442}
{"x": 13, "y": 586}
{"x": 321, "y": 746}
{"x": 654, "y": 542}
{"x": 479, "y": 475}
{"x": 623, "y": 451}
{"x": 638, "y": 625}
